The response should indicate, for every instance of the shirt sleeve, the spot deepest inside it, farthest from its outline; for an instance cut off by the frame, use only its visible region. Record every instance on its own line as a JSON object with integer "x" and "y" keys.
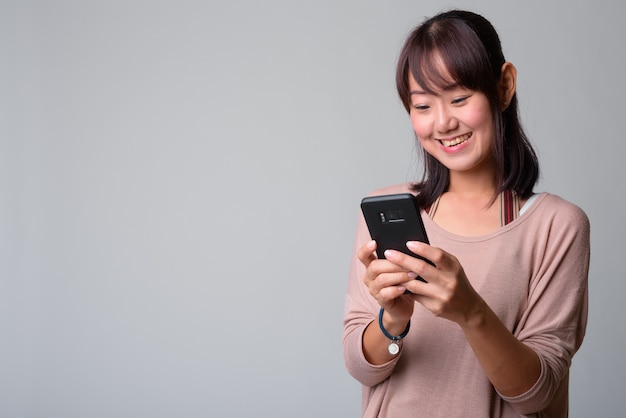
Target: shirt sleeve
{"x": 554, "y": 321}
{"x": 360, "y": 310}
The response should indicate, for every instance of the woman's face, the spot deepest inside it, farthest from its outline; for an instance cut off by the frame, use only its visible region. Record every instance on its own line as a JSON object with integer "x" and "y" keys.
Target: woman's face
{"x": 455, "y": 126}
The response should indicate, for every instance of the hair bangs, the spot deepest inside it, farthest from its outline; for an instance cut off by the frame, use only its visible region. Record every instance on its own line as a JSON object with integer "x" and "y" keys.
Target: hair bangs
{"x": 444, "y": 58}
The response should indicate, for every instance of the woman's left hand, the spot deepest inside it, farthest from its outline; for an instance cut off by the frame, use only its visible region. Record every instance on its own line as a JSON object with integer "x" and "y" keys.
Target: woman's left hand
{"x": 447, "y": 293}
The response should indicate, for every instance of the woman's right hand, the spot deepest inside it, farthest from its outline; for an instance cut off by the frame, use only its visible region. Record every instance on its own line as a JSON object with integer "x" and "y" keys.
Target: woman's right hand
{"x": 385, "y": 282}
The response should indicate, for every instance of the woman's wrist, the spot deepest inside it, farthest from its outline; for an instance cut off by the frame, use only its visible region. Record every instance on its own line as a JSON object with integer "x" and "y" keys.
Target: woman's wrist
{"x": 392, "y": 324}
{"x": 395, "y": 340}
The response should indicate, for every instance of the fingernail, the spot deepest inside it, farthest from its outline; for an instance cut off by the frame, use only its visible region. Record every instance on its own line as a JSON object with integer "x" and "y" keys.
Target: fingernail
{"x": 412, "y": 275}
{"x": 389, "y": 254}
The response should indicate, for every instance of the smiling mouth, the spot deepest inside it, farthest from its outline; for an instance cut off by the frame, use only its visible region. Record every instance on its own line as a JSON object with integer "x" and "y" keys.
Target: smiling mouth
{"x": 456, "y": 141}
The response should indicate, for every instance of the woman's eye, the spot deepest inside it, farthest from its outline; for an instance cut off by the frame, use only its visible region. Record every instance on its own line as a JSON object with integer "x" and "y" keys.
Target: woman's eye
{"x": 460, "y": 100}
{"x": 421, "y": 107}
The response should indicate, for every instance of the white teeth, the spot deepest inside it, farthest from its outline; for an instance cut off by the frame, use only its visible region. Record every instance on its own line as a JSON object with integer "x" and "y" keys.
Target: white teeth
{"x": 456, "y": 141}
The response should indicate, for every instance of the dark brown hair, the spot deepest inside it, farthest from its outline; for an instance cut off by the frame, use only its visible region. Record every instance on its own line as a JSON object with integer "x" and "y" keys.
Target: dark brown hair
{"x": 469, "y": 47}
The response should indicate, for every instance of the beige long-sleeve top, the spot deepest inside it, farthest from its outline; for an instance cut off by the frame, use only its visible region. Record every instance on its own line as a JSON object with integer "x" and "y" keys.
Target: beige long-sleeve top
{"x": 532, "y": 273}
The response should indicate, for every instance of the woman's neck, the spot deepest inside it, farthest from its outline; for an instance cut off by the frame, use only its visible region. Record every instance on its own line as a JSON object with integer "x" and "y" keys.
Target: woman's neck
{"x": 472, "y": 186}
{"x": 469, "y": 207}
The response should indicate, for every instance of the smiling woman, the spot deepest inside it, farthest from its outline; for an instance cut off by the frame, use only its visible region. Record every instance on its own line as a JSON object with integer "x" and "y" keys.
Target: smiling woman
{"x": 455, "y": 126}
{"x": 485, "y": 331}
{"x": 462, "y": 52}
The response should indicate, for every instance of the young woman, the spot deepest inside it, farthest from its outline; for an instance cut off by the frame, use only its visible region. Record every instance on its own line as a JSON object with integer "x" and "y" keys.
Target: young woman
{"x": 493, "y": 330}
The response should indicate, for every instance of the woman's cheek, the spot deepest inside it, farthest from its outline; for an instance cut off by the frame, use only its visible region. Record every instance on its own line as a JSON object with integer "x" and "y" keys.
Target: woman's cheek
{"x": 420, "y": 127}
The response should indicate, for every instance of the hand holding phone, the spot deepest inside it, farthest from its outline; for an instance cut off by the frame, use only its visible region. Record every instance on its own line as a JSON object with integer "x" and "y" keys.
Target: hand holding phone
{"x": 393, "y": 220}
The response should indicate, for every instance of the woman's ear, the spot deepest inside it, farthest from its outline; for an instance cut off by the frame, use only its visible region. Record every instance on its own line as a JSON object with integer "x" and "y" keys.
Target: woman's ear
{"x": 507, "y": 85}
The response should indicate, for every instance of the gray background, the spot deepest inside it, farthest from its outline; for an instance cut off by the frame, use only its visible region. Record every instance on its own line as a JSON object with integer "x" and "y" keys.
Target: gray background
{"x": 180, "y": 182}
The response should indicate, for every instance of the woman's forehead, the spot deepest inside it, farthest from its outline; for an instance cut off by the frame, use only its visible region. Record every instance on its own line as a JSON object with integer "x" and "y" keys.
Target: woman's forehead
{"x": 431, "y": 74}
{"x": 429, "y": 84}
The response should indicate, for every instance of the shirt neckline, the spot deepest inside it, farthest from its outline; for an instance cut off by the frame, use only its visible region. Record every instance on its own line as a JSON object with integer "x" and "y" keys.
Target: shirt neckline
{"x": 529, "y": 207}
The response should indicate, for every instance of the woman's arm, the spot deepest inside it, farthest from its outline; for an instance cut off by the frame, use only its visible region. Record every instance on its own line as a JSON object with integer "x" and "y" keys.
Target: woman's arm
{"x": 384, "y": 280}
{"x": 510, "y": 365}
{"x": 365, "y": 347}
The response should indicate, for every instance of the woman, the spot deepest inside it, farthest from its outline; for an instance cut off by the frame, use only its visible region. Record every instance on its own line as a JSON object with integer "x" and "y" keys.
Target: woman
{"x": 493, "y": 330}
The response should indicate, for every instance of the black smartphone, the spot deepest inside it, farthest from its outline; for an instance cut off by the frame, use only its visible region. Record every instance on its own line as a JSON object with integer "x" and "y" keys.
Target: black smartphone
{"x": 393, "y": 220}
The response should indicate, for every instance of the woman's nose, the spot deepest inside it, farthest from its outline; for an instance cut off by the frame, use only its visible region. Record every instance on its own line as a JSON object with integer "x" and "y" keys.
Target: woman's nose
{"x": 445, "y": 120}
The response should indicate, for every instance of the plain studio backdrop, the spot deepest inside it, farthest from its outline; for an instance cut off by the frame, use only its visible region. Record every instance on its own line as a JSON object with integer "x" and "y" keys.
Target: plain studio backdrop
{"x": 180, "y": 184}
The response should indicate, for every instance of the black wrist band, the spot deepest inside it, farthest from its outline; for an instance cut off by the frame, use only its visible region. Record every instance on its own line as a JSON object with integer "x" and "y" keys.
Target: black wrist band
{"x": 394, "y": 347}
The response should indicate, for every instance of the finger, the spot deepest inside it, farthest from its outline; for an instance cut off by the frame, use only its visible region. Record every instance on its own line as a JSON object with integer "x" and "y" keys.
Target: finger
{"x": 417, "y": 287}
{"x": 437, "y": 256}
{"x": 411, "y": 264}
{"x": 385, "y": 280}
{"x": 387, "y": 295}
{"x": 366, "y": 253}
{"x": 392, "y": 278}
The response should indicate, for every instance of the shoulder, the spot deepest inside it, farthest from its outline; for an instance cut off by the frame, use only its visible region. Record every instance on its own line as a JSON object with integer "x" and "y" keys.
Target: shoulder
{"x": 392, "y": 189}
{"x": 553, "y": 203}
{"x": 554, "y": 210}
